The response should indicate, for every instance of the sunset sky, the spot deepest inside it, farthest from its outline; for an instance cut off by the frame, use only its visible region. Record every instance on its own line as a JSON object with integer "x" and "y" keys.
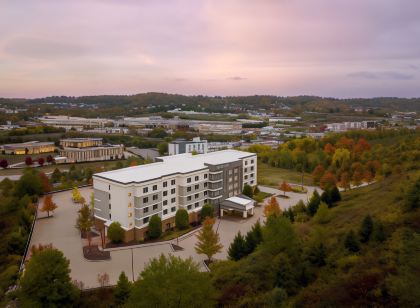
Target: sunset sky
{"x": 341, "y": 48}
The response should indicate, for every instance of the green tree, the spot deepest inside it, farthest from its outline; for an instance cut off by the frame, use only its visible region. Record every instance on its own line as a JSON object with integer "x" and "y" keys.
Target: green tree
{"x": 84, "y": 222}
{"x": 322, "y": 215}
{"x": 46, "y": 282}
{"x": 29, "y": 184}
{"x": 206, "y": 211}
{"x": 162, "y": 148}
{"x": 379, "y": 232}
{"x": 172, "y": 282}
{"x": 253, "y": 238}
{"x": 208, "y": 242}
{"x": 115, "y": 232}
{"x": 247, "y": 191}
{"x": 122, "y": 290}
{"x": 317, "y": 254}
{"x": 366, "y": 229}
{"x": 351, "y": 243}
{"x": 412, "y": 197}
{"x": 279, "y": 236}
{"x": 313, "y": 203}
{"x": 237, "y": 249}
{"x": 181, "y": 219}
{"x": 155, "y": 227}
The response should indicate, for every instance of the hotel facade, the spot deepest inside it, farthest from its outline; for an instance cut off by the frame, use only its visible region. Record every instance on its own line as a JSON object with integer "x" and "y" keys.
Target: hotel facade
{"x": 131, "y": 196}
{"x": 77, "y": 150}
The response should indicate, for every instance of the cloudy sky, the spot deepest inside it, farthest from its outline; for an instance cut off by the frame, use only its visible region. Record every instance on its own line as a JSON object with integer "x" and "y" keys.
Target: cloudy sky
{"x": 341, "y": 48}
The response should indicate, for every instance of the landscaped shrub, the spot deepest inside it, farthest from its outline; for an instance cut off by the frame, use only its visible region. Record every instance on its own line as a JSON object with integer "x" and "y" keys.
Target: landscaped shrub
{"x": 181, "y": 219}
{"x": 115, "y": 232}
{"x": 247, "y": 191}
{"x": 206, "y": 211}
{"x": 155, "y": 227}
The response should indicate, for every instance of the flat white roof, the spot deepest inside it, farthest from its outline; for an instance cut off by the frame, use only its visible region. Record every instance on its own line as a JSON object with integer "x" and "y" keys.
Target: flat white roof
{"x": 239, "y": 200}
{"x": 182, "y": 163}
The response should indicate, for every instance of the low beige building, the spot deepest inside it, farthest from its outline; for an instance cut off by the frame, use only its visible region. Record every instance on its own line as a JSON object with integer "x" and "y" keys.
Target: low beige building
{"x": 31, "y": 147}
{"x": 89, "y": 149}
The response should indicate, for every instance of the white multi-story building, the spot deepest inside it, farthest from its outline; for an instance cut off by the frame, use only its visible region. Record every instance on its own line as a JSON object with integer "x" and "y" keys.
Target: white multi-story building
{"x": 131, "y": 196}
{"x": 345, "y": 126}
{"x": 186, "y": 146}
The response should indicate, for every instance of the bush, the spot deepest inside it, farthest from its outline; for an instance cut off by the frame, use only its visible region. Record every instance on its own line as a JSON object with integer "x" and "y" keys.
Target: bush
{"x": 181, "y": 219}
{"x": 155, "y": 227}
{"x": 116, "y": 232}
{"x": 247, "y": 191}
{"x": 206, "y": 211}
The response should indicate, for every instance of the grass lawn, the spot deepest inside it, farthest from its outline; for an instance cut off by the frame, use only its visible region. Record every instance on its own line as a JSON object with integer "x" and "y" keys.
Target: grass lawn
{"x": 272, "y": 176}
{"x": 261, "y": 196}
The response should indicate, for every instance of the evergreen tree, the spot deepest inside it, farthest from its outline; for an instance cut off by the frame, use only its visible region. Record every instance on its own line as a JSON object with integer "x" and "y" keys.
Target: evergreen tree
{"x": 379, "y": 232}
{"x": 155, "y": 227}
{"x": 115, "y": 232}
{"x": 206, "y": 211}
{"x": 122, "y": 290}
{"x": 313, "y": 203}
{"x": 326, "y": 197}
{"x": 317, "y": 254}
{"x": 335, "y": 195}
{"x": 247, "y": 191}
{"x": 237, "y": 249}
{"x": 322, "y": 215}
{"x": 366, "y": 229}
{"x": 351, "y": 242}
{"x": 253, "y": 238}
{"x": 181, "y": 219}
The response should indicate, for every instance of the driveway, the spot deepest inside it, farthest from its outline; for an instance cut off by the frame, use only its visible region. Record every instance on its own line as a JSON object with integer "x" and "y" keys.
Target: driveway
{"x": 60, "y": 231}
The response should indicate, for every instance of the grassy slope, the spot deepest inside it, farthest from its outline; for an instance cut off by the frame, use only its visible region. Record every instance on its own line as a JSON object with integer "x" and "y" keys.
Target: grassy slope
{"x": 272, "y": 176}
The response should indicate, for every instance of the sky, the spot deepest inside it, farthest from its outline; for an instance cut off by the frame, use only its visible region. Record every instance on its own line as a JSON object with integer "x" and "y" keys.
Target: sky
{"x": 334, "y": 48}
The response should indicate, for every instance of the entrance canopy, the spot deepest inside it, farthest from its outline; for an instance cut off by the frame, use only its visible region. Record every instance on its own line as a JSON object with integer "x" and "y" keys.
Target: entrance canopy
{"x": 238, "y": 203}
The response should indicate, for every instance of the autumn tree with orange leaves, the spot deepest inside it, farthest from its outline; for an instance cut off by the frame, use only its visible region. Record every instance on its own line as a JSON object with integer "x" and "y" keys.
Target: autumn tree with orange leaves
{"x": 48, "y": 205}
{"x": 327, "y": 180}
{"x": 318, "y": 173}
{"x": 285, "y": 187}
{"x": 272, "y": 208}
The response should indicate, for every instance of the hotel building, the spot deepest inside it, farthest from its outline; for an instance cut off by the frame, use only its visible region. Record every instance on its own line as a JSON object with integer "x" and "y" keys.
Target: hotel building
{"x": 185, "y": 146}
{"x": 89, "y": 149}
{"x": 131, "y": 196}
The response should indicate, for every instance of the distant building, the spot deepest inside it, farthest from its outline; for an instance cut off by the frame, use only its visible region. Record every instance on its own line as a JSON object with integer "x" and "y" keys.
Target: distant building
{"x": 25, "y": 148}
{"x": 284, "y": 119}
{"x": 345, "y": 126}
{"x": 188, "y": 146}
{"x": 220, "y": 129}
{"x": 89, "y": 149}
{"x": 77, "y": 123}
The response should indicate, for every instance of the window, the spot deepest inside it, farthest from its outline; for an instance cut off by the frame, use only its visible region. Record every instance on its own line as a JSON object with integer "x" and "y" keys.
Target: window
{"x": 173, "y": 200}
{"x": 145, "y": 190}
{"x": 189, "y": 188}
{"x": 145, "y": 199}
{"x": 109, "y": 205}
{"x": 246, "y": 177}
{"x": 189, "y": 180}
{"x": 252, "y": 182}
{"x": 155, "y": 206}
{"x": 109, "y": 215}
{"x": 146, "y": 210}
{"x": 109, "y": 187}
{"x": 196, "y": 196}
{"x": 196, "y": 187}
{"x": 165, "y": 193}
{"x": 129, "y": 204}
{"x": 189, "y": 207}
{"x": 165, "y": 212}
{"x": 172, "y": 191}
{"x": 205, "y": 176}
{"x": 196, "y": 204}
{"x": 173, "y": 182}
{"x": 205, "y": 184}
{"x": 252, "y": 168}
{"x": 189, "y": 198}
{"x": 109, "y": 196}
{"x": 205, "y": 193}
{"x": 251, "y": 175}
{"x": 246, "y": 169}
{"x": 252, "y": 161}
{"x": 165, "y": 202}
{"x": 129, "y": 194}
{"x": 130, "y": 214}
{"x": 230, "y": 172}
{"x": 154, "y": 187}
{"x": 165, "y": 184}
{"x": 155, "y": 197}
{"x": 145, "y": 220}
{"x": 196, "y": 178}
{"x": 246, "y": 162}
{"x": 173, "y": 209}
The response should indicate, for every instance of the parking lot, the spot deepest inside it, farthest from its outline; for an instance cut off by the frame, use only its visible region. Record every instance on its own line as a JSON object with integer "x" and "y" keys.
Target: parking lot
{"x": 60, "y": 231}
